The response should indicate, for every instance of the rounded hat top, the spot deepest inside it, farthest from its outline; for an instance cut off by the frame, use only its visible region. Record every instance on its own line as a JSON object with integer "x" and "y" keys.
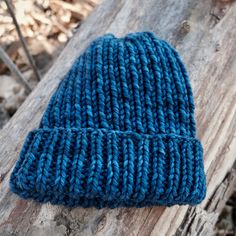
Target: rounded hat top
{"x": 135, "y": 83}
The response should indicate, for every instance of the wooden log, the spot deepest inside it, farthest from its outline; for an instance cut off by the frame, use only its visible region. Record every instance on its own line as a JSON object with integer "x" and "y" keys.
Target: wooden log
{"x": 204, "y": 33}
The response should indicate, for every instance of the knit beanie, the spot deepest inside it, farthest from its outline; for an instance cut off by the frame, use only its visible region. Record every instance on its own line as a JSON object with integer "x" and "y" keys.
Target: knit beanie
{"x": 118, "y": 131}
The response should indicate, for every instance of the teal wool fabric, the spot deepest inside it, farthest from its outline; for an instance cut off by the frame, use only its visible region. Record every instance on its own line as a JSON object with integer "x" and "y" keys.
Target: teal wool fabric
{"x": 119, "y": 131}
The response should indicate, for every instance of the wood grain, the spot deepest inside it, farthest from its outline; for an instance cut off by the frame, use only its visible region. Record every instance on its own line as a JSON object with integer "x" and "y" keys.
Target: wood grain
{"x": 204, "y": 33}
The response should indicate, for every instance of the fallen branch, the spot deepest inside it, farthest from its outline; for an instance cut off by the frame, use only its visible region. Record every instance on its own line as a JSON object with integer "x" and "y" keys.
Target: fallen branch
{"x": 13, "y": 68}
{"x": 22, "y": 39}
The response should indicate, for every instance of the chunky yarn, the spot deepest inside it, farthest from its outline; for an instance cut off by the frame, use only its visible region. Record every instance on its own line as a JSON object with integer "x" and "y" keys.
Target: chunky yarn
{"x": 119, "y": 131}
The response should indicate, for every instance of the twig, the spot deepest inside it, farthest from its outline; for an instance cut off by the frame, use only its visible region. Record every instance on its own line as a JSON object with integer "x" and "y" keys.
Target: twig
{"x": 23, "y": 42}
{"x": 7, "y": 60}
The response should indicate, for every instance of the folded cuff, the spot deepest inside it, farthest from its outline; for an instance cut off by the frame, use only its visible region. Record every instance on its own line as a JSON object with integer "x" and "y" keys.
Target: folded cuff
{"x": 107, "y": 168}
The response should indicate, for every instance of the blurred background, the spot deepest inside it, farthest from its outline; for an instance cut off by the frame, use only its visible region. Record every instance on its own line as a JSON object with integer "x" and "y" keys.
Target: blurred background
{"x": 46, "y": 26}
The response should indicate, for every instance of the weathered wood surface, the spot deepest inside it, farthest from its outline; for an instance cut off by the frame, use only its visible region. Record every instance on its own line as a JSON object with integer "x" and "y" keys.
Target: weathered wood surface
{"x": 204, "y": 33}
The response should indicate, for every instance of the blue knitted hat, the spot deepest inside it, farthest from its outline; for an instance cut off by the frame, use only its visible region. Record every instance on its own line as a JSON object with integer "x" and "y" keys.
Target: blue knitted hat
{"x": 119, "y": 131}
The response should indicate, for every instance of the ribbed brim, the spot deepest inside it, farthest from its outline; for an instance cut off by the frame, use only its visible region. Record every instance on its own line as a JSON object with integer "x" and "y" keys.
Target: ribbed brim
{"x": 105, "y": 168}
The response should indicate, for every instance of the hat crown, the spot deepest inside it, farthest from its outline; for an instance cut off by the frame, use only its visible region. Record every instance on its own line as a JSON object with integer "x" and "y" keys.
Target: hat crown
{"x": 137, "y": 83}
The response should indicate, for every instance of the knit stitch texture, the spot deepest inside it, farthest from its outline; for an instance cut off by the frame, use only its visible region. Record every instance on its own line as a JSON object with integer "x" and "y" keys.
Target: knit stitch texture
{"x": 118, "y": 131}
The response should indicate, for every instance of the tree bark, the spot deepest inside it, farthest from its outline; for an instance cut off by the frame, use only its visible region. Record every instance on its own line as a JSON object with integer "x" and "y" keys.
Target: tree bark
{"x": 204, "y": 33}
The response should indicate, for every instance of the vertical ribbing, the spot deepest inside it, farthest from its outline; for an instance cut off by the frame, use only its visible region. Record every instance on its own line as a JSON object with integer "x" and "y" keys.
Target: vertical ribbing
{"x": 140, "y": 83}
{"x": 68, "y": 111}
{"x": 188, "y": 95}
{"x": 84, "y": 120}
{"x": 136, "y": 83}
{"x": 119, "y": 88}
{"x": 179, "y": 85}
{"x": 30, "y": 160}
{"x": 165, "y": 88}
{"x": 169, "y": 115}
{"x": 45, "y": 161}
{"x": 124, "y": 174}
{"x": 94, "y": 89}
{"x": 195, "y": 174}
{"x": 131, "y": 165}
{"x": 157, "y": 91}
{"x": 189, "y": 165}
{"x": 88, "y": 90}
{"x": 106, "y": 168}
{"x": 52, "y": 116}
{"x": 80, "y": 171}
{"x": 124, "y": 87}
{"x": 62, "y": 108}
{"x": 151, "y": 83}
{"x": 28, "y": 141}
{"x": 176, "y": 173}
{"x": 185, "y": 98}
{"x": 74, "y": 185}
{"x": 161, "y": 167}
{"x": 168, "y": 78}
{"x": 135, "y": 87}
{"x": 198, "y": 150}
{"x": 153, "y": 171}
{"x": 130, "y": 90}
{"x": 113, "y": 87}
{"x": 112, "y": 175}
{"x": 147, "y": 88}
{"x": 78, "y": 92}
{"x": 142, "y": 183}
{"x": 183, "y": 190}
{"x": 47, "y": 118}
{"x": 96, "y": 163}
{"x": 176, "y": 102}
{"x": 144, "y": 81}
{"x": 139, "y": 167}
{"x": 128, "y": 168}
{"x": 170, "y": 171}
{"x": 107, "y": 86}
{"x": 61, "y": 164}
{"x": 115, "y": 162}
{"x": 100, "y": 84}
